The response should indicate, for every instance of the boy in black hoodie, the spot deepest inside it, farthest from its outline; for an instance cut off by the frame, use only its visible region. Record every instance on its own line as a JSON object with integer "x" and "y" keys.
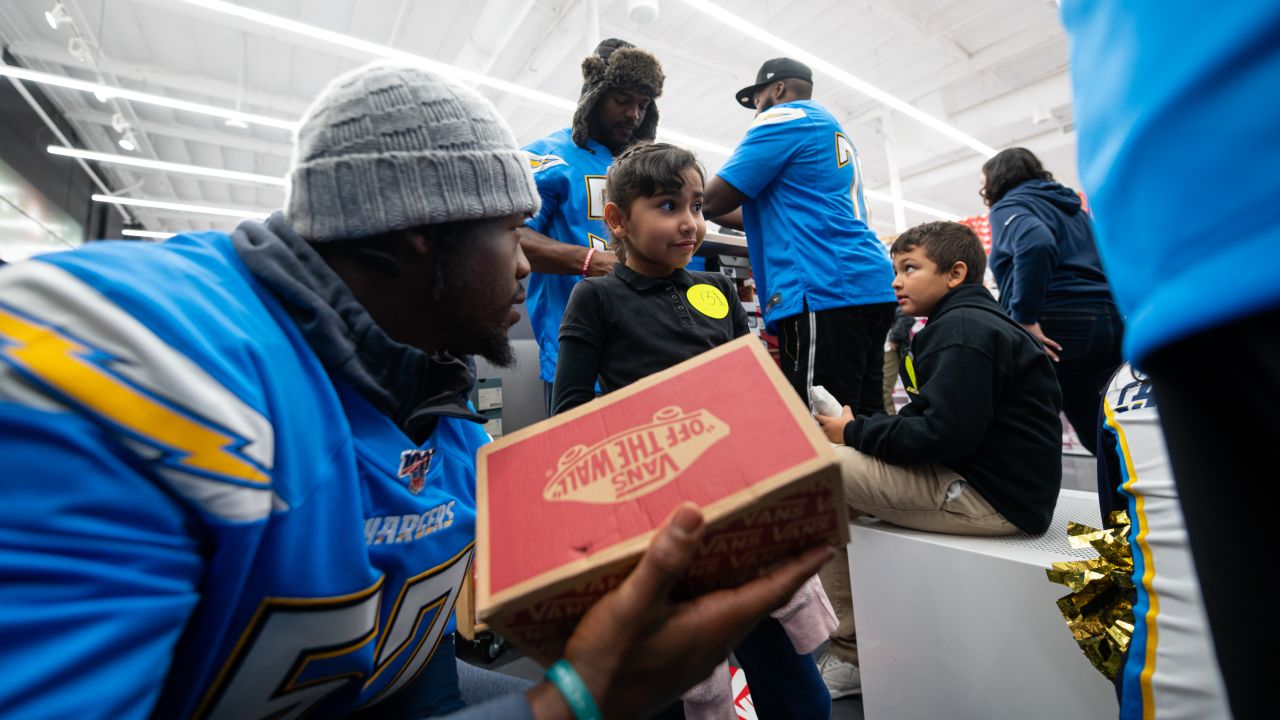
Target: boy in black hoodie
{"x": 977, "y": 450}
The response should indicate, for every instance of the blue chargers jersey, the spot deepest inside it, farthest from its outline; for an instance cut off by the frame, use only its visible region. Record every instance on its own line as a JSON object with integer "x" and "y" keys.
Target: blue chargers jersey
{"x": 806, "y": 219}
{"x": 199, "y": 520}
{"x": 571, "y": 182}
{"x": 1177, "y": 106}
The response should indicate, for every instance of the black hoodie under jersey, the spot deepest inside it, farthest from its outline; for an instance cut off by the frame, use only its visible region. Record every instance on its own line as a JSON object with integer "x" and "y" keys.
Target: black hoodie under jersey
{"x": 984, "y": 402}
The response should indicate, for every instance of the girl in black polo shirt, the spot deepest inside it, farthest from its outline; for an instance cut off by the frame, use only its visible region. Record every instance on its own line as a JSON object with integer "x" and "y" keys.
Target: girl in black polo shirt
{"x": 650, "y": 314}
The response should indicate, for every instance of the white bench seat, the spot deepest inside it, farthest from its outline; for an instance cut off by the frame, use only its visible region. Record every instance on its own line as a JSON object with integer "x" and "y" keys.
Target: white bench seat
{"x": 960, "y": 627}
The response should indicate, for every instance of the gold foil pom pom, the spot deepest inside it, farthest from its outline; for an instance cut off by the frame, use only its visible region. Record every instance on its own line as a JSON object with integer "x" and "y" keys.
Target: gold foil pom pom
{"x": 1099, "y": 610}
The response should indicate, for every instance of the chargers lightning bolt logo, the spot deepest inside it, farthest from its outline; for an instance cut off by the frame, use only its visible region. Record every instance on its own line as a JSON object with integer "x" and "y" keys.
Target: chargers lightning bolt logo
{"x": 79, "y": 374}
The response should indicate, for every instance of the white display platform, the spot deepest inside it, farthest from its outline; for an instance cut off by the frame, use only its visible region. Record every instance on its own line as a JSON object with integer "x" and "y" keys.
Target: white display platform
{"x": 958, "y": 627}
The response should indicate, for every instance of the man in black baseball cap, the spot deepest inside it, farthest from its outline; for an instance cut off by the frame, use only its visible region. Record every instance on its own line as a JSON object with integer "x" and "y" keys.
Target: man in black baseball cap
{"x": 823, "y": 278}
{"x": 772, "y": 72}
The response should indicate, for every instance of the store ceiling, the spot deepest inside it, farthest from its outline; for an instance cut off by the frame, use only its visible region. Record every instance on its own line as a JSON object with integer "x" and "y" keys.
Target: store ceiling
{"x": 995, "y": 69}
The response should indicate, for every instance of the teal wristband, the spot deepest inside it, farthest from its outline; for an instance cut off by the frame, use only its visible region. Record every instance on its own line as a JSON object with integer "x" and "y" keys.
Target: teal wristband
{"x": 575, "y": 692}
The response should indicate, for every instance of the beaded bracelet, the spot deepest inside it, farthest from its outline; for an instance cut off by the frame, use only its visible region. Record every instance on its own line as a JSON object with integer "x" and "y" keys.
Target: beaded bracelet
{"x": 575, "y": 692}
{"x": 586, "y": 264}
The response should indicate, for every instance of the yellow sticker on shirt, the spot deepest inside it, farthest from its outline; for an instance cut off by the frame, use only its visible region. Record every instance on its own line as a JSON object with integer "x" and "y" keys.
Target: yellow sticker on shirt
{"x": 708, "y": 300}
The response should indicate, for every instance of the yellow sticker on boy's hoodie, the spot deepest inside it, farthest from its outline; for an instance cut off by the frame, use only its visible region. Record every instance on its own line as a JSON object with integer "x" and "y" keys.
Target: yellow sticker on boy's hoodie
{"x": 914, "y": 387}
{"x": 708, "y": 300}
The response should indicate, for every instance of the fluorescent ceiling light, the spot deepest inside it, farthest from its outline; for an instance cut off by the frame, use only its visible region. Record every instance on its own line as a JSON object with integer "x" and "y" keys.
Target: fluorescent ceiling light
{"x": 147, "y": 234}
{"x": 390, "y": 53}
{"x": 885, "y": 197}
{"x": 165, "y": 166}
{"x": 795, "y": 52}
{"x": 383, "y": 51}
{"x": 328, "y": 36}
{"x": 352, "y": 43}
{"x": 180, "y": 207}
{"x": 106, "y": 91}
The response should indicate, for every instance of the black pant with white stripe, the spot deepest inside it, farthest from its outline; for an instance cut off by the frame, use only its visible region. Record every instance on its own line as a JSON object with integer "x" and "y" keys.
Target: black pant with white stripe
{"x": 840, "y": 349}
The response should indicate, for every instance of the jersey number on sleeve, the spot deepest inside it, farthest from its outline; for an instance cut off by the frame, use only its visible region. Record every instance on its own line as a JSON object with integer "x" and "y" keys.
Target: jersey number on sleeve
{"x": 845, "y": 155}
{"x": 287, "y": 635}
{"x": 595, "y": 209}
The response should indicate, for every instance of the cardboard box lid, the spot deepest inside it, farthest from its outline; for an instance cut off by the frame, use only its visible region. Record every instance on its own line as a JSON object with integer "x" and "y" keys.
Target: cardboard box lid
{"x": 588, "y": 487}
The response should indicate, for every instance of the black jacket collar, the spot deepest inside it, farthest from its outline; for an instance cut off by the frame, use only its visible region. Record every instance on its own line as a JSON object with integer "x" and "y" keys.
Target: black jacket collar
{"x": 966, "y": 296}
{"x": 978, "y": 297}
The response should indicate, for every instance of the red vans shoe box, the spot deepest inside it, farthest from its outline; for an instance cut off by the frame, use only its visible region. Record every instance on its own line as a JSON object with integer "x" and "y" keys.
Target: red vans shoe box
{"x": 566, "y": 507}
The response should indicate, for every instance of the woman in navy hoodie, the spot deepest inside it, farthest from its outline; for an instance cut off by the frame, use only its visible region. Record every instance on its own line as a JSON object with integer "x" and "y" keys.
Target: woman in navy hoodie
{"x": 1050, "y": 277}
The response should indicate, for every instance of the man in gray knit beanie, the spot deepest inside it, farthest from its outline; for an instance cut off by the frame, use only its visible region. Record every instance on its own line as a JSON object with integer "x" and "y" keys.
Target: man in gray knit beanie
{"x": 393, "y": 147}
{"x": 567, "y": 240}
{"x": 272, "y": 457}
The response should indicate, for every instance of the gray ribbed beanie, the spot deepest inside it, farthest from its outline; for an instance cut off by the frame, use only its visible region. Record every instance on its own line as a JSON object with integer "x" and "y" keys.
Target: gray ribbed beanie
{"x": 391, "y": 146}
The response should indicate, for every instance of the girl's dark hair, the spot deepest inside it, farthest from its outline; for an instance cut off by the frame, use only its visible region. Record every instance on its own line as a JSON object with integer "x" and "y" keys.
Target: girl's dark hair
{"x": 946, "y": 243}
{"x": 646, "y": 170}
{"x": 1009, "y": 169}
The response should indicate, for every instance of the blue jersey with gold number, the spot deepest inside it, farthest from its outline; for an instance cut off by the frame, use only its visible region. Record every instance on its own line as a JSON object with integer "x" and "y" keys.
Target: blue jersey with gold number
{"x": 806, "y": 219}
{"x": 571, "y": 182}
{"x": 196, "y": 518}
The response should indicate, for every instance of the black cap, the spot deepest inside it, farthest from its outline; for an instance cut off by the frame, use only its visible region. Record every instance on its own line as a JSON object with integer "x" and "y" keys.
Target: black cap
{"x": 773, "y": 71}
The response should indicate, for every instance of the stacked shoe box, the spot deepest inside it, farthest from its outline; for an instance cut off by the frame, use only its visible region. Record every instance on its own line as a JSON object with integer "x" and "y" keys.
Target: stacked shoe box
{"x": 487, "y": 399}
{"x": 739, "y": 269}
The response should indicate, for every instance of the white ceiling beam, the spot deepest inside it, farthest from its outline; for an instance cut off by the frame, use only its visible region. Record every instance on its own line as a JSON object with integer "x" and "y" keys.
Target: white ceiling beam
{"x": 155, "y": 76}
{"x": 544, "y": 57}
{"x": 980, "y": 63}
{"x": 181, "y": 207}
{"x": 116, "y": 93}
{"x": 707, "y": 64}
{"x": 201, "y": 15}
{"x": 237, "y": 141}
{"x": 933, "y": 122}
{"x": 57, "y": 132}
{"x": 168, "y": 167}
{"x": 1016, "y": 105}
{"x": 103, "y": 71}
{"x": 921, "y": 33}
{"x": 492, "y": 32}
{"x": 967, "y": 169}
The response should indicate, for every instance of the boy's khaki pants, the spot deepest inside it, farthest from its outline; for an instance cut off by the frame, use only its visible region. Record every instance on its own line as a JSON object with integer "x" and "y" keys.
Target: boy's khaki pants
{"x": 921, "y": 497}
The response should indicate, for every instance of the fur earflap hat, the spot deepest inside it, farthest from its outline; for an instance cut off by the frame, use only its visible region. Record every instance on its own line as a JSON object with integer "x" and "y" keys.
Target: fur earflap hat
{"x": 618, "y": 64}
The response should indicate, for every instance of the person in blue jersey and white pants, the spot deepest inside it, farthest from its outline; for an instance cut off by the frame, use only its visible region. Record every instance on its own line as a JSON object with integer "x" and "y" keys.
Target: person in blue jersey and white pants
{"x": 1172, "y": 91}
{"x": 824, "y": 279}
{"x": 239, "y": 469}
{"x": 1169, "y": 670}
{"x": 567, "y": 239}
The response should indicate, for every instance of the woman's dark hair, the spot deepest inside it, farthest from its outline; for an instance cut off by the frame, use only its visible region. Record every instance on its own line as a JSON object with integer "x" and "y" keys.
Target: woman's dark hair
{"x": 1009, "y": 169}
{"x": 646, "y": 170}
{"x": 946, "y": 243}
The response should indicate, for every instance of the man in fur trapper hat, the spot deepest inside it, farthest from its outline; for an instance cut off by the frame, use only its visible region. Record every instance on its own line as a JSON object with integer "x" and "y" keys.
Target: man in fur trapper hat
{"x": 567, "y": 240}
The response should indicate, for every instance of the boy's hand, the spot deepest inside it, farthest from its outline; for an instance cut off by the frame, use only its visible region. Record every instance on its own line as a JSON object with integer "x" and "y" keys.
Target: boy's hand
{"x": 834, "y": 426}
